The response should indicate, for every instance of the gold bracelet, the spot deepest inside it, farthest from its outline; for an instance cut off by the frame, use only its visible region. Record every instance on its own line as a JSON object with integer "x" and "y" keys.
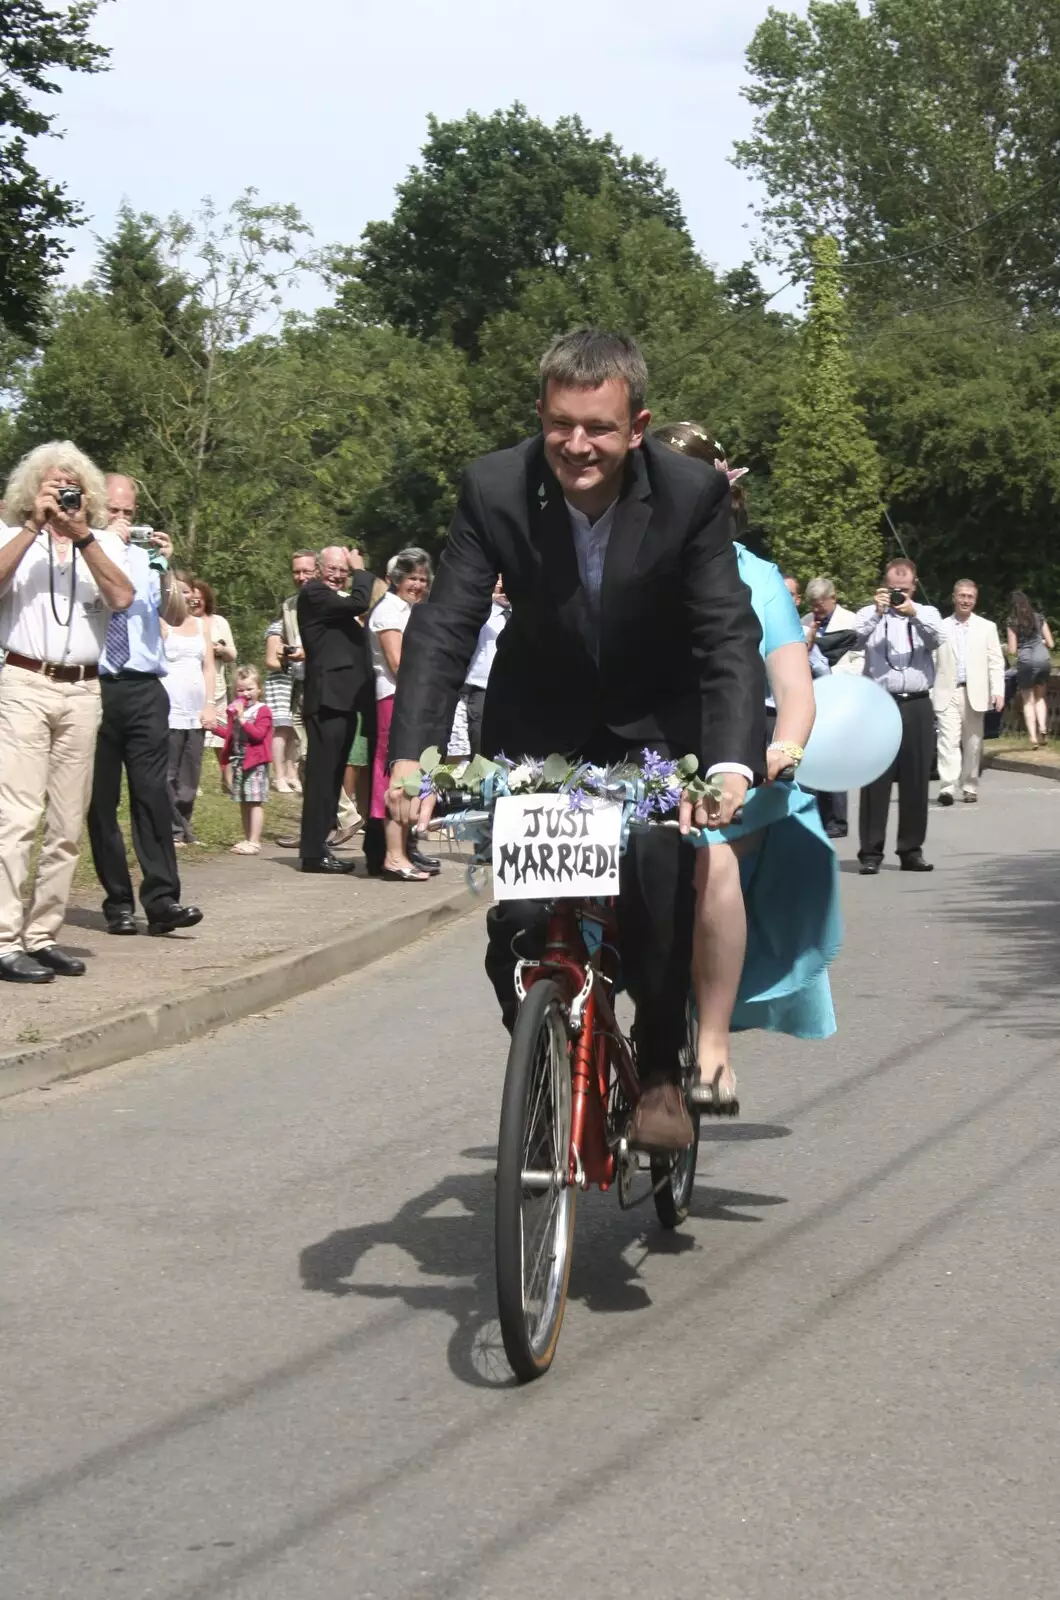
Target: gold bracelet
{"x": 793, "y": 751}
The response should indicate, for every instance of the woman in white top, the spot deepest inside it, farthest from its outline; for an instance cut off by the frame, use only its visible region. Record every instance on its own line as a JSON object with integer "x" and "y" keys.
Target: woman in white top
{"x": 190, "y": 681}
{"x": 203, "y": 604}
{"x": 410, "y": 581}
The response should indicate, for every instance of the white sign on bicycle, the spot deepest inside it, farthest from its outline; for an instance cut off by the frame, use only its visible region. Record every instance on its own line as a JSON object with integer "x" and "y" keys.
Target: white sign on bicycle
{"x": 544, "y": 850}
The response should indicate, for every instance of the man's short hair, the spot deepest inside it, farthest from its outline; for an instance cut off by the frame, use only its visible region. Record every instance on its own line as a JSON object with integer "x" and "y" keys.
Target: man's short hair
{"x": 589, "y": 357}
{"x": 298, "y": 555}
{"x": 900, "y": 561}
{"x": 966, "y": 583}
{"x": 820, "y": 589}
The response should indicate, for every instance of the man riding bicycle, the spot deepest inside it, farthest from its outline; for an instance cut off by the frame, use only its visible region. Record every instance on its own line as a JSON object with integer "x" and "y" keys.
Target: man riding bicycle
{"x": 630, "y": 628}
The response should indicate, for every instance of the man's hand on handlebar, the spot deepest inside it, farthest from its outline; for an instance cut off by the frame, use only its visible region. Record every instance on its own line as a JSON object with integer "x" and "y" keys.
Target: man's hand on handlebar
{"x": 407, "y": 809}
{"x": 711, "y": 813}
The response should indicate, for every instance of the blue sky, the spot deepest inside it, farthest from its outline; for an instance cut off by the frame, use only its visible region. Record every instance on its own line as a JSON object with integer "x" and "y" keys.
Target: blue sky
{"x": 324, "y": 102}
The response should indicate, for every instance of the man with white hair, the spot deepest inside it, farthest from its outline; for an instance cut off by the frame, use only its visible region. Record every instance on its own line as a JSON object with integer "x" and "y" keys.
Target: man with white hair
{"x": 338, "y": 686}
{"x": 61, "y": 581}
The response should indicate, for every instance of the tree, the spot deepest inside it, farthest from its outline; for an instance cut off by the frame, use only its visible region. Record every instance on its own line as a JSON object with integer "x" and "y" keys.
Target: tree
{"x": 826, "y": 471}
{"x": 234, "y": 267}
{"x": 139, "y": 286}
{"x": 921, "y": 131}
{"x": 486, "y": 207}
{"x": 33, "y": 40}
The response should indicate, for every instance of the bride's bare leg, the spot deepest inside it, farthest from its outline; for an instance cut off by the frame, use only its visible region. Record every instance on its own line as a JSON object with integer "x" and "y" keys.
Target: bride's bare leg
{"x": 718, "y": 954}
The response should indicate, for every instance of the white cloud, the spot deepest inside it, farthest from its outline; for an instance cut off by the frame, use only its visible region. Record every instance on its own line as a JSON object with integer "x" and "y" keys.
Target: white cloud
{"x": 324, "y": 102}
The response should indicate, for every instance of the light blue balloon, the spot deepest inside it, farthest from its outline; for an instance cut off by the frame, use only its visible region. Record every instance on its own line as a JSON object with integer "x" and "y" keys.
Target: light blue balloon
{"x": 855, "y": 737}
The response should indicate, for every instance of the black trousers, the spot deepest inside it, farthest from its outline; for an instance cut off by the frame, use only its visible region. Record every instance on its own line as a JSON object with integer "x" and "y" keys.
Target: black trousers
{"x": 329, "y": 735}
{"x": 833, "y": 808}
{"x": 656, "y": 914}
{"x": 912, "y": 770}
{"x": 133, "y": 734}
{"x": 476, "y": 700}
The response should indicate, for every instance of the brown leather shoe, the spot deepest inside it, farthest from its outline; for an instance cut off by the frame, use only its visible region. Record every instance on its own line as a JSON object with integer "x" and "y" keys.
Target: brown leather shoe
{"x": 660, "y": 1120}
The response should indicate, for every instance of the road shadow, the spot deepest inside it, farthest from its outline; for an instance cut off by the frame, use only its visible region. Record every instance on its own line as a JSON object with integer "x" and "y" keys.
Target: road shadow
{"x": 1016, "y": 898}
{"x": 446, "y": 1234}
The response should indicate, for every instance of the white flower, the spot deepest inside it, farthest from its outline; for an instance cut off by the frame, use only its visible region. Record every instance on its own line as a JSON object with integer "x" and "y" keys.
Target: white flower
{"x": 520, "y": 777}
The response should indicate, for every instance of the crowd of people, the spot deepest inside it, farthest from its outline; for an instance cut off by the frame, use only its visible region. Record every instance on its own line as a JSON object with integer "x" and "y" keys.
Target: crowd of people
{"x": 120, "y": 667}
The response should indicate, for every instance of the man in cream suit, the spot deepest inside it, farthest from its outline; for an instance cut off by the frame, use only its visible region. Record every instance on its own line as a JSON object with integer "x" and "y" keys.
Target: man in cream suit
{"x": 969, "y": 678}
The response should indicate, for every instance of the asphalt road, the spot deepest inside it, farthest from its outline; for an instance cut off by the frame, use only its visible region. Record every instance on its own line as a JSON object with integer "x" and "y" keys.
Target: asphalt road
{"x": 247, "y": 1338}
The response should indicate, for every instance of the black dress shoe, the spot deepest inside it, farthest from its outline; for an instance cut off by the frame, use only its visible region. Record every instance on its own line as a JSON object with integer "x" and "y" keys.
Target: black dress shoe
{"x": 945, "y": 798}
{"x": 57, "y": 961}
{"x": 835, "y": 830}
{"x": 914, "y": 862}
{"x": 122, "y": 922}
{"x": 327, "y": 863}
{"x": 429, "y": 864}
{"x": 172, "y": 917}
{"x": 869, "y": 869}
{"x": 21, "y": 968}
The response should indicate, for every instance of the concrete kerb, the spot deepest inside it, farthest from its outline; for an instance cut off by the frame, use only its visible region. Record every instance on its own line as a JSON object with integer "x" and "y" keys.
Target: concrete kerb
{"x": 187, "y": 1014}
{"x": 1036, "y": 769}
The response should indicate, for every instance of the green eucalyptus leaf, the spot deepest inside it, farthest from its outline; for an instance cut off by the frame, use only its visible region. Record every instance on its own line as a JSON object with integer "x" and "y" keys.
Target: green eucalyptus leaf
{"x": 431, "y": 758}
{"x": 411, "y": 786}
{"x": 443, "y": 779}
{"x": 688, "y": 766}
{"x": 556, "y": 769}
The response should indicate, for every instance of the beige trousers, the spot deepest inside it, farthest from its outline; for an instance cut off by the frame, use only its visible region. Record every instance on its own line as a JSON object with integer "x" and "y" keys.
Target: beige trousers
{"x": 47, "y": 744}
{"x": 960, "y": 744}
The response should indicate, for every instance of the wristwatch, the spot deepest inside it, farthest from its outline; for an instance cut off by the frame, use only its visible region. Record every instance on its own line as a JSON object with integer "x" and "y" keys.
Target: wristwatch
{"x": 79, "y": 544}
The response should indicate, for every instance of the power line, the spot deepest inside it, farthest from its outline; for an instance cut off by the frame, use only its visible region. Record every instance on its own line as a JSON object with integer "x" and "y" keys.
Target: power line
{"x": 951, "y": 238}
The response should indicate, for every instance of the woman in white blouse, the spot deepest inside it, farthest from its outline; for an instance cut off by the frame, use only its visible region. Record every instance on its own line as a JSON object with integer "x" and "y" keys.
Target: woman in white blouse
{"x": 203, "y": 604}
{"x": 190, "y": 684}
{"x": 410, "y": 581}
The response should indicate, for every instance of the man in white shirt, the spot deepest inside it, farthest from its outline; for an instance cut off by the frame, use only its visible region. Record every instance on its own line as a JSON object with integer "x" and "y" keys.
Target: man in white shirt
{"x": 969, "y": 679}
{"x": 467, "y": 725}
{"x": 826, "y": 616}
{"x": 900, "y": 638}
{"x": 134, "y": 735}
{"x": 60, "y": 582}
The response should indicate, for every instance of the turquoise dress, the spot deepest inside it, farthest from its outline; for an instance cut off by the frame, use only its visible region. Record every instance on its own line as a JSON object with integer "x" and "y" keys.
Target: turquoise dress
{"x": 791, "y": 880}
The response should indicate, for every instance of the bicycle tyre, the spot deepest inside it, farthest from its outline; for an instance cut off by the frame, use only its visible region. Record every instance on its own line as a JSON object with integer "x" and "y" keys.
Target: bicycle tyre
{"x": 535, "y": 1127}
{"x": 674, "y": 1178}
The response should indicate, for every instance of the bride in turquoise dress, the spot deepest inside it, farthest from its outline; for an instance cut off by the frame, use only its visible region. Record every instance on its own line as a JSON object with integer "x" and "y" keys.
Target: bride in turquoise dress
{"x": 767, "y": 902}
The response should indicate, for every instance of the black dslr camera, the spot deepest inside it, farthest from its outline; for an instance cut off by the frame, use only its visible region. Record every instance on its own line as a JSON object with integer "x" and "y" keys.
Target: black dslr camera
{"x": 69, "y": 499}
{"x": 898, "y": 598}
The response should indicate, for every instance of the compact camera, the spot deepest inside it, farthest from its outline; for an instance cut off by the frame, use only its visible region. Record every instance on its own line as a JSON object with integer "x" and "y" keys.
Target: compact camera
{"x": 898, "y": 598}
{"x": 140, "y": 535}
{"x": 69, "y": 499}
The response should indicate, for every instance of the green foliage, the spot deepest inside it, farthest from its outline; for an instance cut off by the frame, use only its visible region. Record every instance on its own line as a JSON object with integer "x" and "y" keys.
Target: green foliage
{"x": 486, "y": 206}
{"x": 826, "y": 469}
{"x": 903, "y": 123}
{"x": 34, "y": 40}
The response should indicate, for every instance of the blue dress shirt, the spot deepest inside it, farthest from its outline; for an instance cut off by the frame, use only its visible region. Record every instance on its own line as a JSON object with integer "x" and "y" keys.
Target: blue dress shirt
{"x": 146, "y": 654}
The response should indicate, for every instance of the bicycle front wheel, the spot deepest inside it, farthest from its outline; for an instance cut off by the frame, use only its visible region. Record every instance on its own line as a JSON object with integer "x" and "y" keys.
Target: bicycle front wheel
{"x": 535, "y": 1203}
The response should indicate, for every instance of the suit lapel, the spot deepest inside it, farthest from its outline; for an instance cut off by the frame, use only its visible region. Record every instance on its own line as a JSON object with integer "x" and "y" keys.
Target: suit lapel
{"x": 632, "y": 515}
{"x": 550, "y": 534}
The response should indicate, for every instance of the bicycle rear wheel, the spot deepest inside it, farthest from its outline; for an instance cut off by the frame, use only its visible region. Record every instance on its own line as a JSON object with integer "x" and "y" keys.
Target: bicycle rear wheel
{"x": 673, "y": 1177}
{"x": 535, "y": 1203}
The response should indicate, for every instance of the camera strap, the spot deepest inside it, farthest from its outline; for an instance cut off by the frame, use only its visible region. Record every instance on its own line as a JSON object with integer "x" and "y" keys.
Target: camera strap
{"x": 69, "y": 623}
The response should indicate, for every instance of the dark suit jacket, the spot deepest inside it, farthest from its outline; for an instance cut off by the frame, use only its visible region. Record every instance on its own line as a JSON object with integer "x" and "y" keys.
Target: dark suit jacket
{"x": 678, "y": 663}
{"x": 337, "y": 667}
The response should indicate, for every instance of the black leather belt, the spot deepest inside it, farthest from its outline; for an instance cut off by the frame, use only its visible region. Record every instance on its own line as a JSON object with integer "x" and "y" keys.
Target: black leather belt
{"x": 909, "y": 694}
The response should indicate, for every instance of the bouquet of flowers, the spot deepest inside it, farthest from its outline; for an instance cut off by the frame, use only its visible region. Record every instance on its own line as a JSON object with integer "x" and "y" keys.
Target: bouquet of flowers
{"x": 653, "y": 787}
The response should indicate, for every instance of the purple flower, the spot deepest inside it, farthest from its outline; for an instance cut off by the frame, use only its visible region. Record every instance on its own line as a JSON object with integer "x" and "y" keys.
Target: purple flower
{"x": 577, "y": 800}
{"x": 656, "y": 770}
{"x": 426, "y": 786}
{"x": 643, "y": 809}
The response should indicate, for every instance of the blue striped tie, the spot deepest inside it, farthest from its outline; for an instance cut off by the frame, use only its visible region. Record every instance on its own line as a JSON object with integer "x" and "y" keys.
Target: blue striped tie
{"x": 117, "y": 642}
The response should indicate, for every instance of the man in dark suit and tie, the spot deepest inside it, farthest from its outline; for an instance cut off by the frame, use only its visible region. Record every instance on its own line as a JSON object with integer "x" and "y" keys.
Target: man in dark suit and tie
{"x": 630, "y": 627}
{"x": 338, "y": 685}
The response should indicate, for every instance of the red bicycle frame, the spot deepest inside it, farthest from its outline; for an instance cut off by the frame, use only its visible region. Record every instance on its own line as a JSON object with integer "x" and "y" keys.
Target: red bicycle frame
{"x": 597, "y": 1042}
